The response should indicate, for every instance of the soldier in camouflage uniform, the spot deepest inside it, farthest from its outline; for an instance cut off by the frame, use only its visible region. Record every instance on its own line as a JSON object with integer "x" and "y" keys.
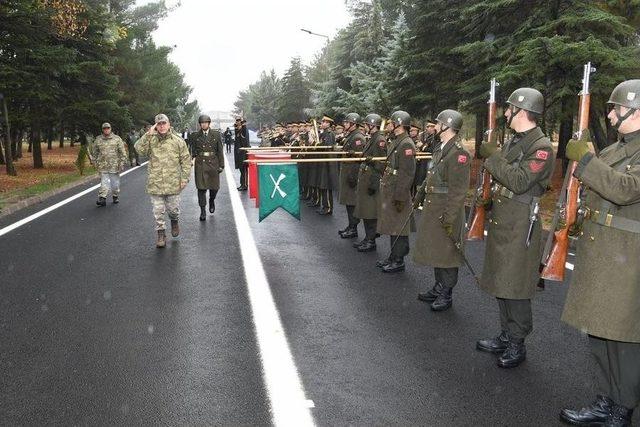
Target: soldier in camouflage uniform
{"x": 522, "y": 170}
{"x": 109, "y": 155}
{"x": 348, "y": 180}
{"x": 169, "y": 170}
{"x": 604, "y": 295}
{"x": 442, "y": 194}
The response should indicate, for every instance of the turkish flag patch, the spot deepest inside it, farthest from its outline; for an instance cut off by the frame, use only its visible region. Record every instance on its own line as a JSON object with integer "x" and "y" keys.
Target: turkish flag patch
{"x": 462, "y": 159}
{"x": 358, "y": 142}
{"x": 381, "y": 143}
{"x": 408, "y": 152}
{"x": 536, "y": 165}
{"x": 541, "y": 154}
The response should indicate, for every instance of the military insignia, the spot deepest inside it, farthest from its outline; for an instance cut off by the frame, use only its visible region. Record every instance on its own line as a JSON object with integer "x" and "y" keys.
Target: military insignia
{"x": 541, "y": 154}
{"x": 462, "y": 159}
{"x": 631, "y": 96}
{"x": 358, "y": 142}
{"x": 536, "y": 166}
{"x": 381, "y": 143}
{"x": 408, "y": 152}
{"x": 520, "y": 98}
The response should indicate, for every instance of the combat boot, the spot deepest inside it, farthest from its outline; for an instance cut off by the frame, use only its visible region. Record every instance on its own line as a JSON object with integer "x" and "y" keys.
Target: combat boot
{"x": 212, "y": 205}
{"x": 203, "y": 213}
{"x": 115, "y": 200}
{"x": 101, "y": 201}
{"x": 382, "y": 262}
{"x": 344, "y": 230}
{"x": 350, "y": 233}
{"x": 325, "y": 211}
{"x": 358, "y": 244}
{"x": 175, "y": 228}
{"x": 394, "y": 266}
{"x": 162, "y": 239}
{"x": 367, "y": 246}
{"x": 444, "y": 300}
{"x": 431, "y": 294}
{"x": 619, "y": 416}
{"x": 494, "y": 345}
{"x": 514, "y": 355}
{"x": 594, "y": 414}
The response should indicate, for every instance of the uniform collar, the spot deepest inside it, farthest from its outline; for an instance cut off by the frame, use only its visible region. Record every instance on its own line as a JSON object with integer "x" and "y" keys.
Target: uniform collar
{"x": 630, "y": 138}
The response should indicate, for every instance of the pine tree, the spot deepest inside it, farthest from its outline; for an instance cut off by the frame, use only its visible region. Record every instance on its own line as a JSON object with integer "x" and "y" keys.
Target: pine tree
{"x": 295, "y": 96}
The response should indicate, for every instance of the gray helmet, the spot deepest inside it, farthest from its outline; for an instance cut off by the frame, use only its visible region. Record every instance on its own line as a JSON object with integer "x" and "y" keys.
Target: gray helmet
{"x": 352, "y": 118}
{"x": 528, "y": 99}
{"x": 451, "y": 119}
{"x": 401, "y": 118}
{"x": 626, "y": 94}
{"x": 204, "y": 118}
{"x": 373, "y": 120}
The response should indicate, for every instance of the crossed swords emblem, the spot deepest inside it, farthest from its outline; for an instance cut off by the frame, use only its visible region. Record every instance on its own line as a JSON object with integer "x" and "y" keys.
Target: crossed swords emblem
{"x": 277, "y": 186}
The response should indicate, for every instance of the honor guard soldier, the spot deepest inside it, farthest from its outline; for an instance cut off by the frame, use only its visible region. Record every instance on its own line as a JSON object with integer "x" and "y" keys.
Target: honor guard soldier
{"x": 354, "y": 141}
{"x": 442, "y": 194}
{"x": 521, "y": 171}
{"x": 424, "y": 145}
{"x": 239, "y": 156}
{"x": 368, "y": 189}
{"x": 396, "y": 208}
{"x": 207, "y": 154}
{"x": 603, "y": 300}
{"x": 326, "y": 174}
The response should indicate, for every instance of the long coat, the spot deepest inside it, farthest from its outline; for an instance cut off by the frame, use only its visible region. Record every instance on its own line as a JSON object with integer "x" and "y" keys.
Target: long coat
{"x": 241, "y": 140}
{"x": 355, "y": 141}
{"x": 604, "y": 294}
{"x": 207, "y": 152}
{"x": 445, "y": 188}
{"x": 327, "y": 177}
{"x": 524, "y": 167}
{"x": 395, "y": 186}
{"x": 369, "y": 178}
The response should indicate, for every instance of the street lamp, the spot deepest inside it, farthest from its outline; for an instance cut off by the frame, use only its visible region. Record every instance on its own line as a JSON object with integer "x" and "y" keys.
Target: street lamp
{"x": 314, "y": 34}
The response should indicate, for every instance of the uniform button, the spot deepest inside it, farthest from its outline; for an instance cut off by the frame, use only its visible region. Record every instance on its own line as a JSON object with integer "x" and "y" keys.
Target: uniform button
{"x": 499, "y": 201}
{"x": 428, "y": 201}
{"x": 490, "y": 221}
{"x": 592, "y": 238}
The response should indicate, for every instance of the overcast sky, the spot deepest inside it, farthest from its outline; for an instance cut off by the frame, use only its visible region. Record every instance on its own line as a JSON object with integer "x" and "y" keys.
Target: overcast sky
{"x": 222, "y": 46}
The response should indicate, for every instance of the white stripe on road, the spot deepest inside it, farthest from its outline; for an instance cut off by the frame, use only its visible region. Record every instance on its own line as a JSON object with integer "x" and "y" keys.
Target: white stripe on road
{"x": 38, "y": 214}
{"x": 289, "y": 406}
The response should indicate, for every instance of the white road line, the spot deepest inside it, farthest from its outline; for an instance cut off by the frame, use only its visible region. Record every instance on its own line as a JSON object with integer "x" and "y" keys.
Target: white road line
{"x": 51, "y": 208}
{"x": 289, "y": 406}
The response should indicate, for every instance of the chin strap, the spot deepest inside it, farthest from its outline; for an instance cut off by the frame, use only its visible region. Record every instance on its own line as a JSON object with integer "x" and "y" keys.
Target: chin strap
{"x": 620, "y": 117}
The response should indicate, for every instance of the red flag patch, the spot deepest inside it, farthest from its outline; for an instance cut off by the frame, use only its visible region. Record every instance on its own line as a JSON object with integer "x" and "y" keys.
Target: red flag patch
{"x": 381, "y": 143}
{"x": 358, "y": 142}
{"x": 536, "y": 165}
{"x": 462, "y": 159}
{"x": 408, "y": 152}
{"x": 541, "y": 154}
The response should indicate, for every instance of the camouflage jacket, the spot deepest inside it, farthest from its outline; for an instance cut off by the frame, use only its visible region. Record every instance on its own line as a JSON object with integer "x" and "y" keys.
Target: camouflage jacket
{"x": 169, "y": 162}
{"x": 108, "y": 153}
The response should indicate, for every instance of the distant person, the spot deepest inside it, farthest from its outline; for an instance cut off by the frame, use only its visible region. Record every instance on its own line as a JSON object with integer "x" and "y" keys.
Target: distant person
{"x": 239, "y": 156}
{"x": 169, "y": 170}
{"x": 228, "y": 140}
{"x": 132, "y": 137}
{"x": 109, "y": 156}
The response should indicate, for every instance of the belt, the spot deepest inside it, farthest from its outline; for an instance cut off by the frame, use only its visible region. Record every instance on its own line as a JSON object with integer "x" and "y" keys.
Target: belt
{"x": 522, "y": 198}
{"x": 207, "y": 153}
{"x": 613, "y": 221}
{"x": 437, "y": 190}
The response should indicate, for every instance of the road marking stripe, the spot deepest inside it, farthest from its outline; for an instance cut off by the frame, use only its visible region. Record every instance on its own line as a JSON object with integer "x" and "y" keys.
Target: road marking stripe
{"x": 51, "y": 208}
{"x": 289, "y": 406}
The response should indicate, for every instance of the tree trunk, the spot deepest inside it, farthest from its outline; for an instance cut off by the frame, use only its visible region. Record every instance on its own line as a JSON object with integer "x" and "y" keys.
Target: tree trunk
{"x": 50, "y": 137}
{"x": 3, "y": 144}
{"x": 17, "y": 144}
{"x": 36, "y": 148}
{"x": 61, "y": 134}
{"x": 566, "y": 129}
{"x": 8, "y": 156}
{"x": 72, "y": 138}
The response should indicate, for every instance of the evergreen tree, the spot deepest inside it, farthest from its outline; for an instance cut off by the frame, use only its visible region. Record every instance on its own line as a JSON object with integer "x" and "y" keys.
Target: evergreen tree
{"x": 295, "y": 93}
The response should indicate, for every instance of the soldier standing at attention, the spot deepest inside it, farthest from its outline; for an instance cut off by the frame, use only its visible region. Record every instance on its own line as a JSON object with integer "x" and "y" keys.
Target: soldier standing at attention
{"x": 368, "y": 189}
{"x": 239, "y": 156}
{"x": 440, "y": 233}
{"x": 206, "y": 150}
{"x": 522, "y": 170}
{"x": 354, "y": 141}
{"x": 424, "y": 145}
{"x": 228, "y": 139}
{"x": 110, "y": 155}
{"x": 395, "y": 192}
{"x": 326, "y": 176}
{"x": 604, "y": 295}
{"x": 169, "y": 170}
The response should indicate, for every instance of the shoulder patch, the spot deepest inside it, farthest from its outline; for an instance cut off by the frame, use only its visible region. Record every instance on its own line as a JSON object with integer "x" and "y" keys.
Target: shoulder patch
{"x": 382, "y": 143}
{"x": 462, "y": 158}
{"x": 536, "y": 166}
{"x": 541, "y": 154}
{"x": 408, "y": 152}
{"x": 358, "y": 142}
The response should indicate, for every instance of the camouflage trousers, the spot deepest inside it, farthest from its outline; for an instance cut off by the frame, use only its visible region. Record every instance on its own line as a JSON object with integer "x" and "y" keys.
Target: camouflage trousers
{"x": 162, "y": 204}
{"x": 109, "y": 181}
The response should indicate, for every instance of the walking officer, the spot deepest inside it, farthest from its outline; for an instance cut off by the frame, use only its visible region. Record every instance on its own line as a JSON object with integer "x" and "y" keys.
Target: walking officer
{"x": 521, "y": 170}
{"x": 354, "y": 141}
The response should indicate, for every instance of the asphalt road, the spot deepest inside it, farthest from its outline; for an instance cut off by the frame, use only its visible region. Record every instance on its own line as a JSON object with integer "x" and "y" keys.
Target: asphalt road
{"x": 98, "y": 327}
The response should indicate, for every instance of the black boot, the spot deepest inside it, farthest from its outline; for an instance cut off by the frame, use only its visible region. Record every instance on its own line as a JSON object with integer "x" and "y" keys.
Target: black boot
{"x": 358, "y": 244}
{"x": 594, "y": 414}
{"x": 431, "y": 294}
{"x": 619, "y": 416}
{"x": 115, "y": 200}
{"x": 494, "y": 345}
{"x": 212, "y": 205}
{"x": 382, "y": 262}
{"x": 395, "y": 266}
{"x": 101, "y": 201}
{"x": 514, "y": 355}
{"x": 367, "y": 246}
{"x": 344, "y": 230}
{"x": 203, "y": 213}
{"x": 324, "y": 211}
{"x": 350, "y": 233}
{"x": 444, "y": 300}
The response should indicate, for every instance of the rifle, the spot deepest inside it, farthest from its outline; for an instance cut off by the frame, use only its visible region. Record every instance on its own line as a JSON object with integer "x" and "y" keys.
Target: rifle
{"x": 557, "y": 245}
{"x": 478, "y": 213}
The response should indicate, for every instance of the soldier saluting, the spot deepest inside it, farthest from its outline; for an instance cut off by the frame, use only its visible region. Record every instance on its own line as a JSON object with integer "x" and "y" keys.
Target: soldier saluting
{"x": 521, "y": 170}
{"x": 442, "y": 194}
{"x": 604, "y": 294}
{"x": 207, "y": 154}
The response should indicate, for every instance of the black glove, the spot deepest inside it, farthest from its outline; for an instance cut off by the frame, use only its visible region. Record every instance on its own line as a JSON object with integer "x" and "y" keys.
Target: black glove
{"x": 417, "y": 201}
{"x": 371, "y": 191}
{"x": 399, "y": 205}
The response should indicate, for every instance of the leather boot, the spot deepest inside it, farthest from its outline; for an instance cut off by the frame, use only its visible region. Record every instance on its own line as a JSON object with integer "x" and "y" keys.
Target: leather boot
{"x": 367, "y": 246}
{"x": 115, "y": 200}
{"x": 431, "y": 294}
{"x": 324, "y": 211}
{"x": 350, "y": 233}
{"x": 101, "y": 201}
{"x": 514, "y": 355}
{"x": 444, "y": 300}
{"x": 203, "y": 213}
{"x": 344, "y": 230}
{"x": 358, "y": 244}
{"x": 175, "y": 228}
{"x": 162, "y": 239}
{"x": 594, "y": 414}
{"x": 212, "y": 205}
{"x": 395, "y": 266}
{"x": 619, "y": 416}
{"x": 494, "y": 345}
{"x": 382, "y": 262}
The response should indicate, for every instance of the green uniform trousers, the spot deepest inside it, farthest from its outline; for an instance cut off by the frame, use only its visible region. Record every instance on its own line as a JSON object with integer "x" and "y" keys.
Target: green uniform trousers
{"x": 515, "y": 317}
{"x": 618, "y": 370}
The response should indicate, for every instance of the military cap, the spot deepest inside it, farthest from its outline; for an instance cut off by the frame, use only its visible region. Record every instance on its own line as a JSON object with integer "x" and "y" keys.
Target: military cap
{"x": 373, "y": 119}
{"x": 204, "y": 119}
{"x": 450, "y": 118}
{"x": 327, "y": 119}
{"x": 528, "y": 99}
{"x": 414, "y": 125}
{"x": 162, "y": 118}
{"x": 401, "y": 118}
{"x": 352, "y": 118}
{"x": 431, "y": 123}
{"x": 106, "y": 125}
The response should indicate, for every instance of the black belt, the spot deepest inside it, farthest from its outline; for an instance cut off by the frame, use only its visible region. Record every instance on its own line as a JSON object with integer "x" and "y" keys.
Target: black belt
{"x": 436, "y": 190}
{"x": 613, "y": 221}
{"x": 522, "y": 198}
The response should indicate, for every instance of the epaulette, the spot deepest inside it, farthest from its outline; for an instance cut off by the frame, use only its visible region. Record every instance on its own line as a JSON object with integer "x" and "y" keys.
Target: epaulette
{"x": 459, "y": 145}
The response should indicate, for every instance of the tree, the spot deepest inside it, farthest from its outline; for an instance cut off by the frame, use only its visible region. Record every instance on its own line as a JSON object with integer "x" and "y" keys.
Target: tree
{"x": 295, "y": 93}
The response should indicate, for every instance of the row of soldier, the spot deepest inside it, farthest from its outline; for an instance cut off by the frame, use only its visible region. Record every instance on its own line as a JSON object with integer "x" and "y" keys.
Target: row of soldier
{"x": 604, "y": 296}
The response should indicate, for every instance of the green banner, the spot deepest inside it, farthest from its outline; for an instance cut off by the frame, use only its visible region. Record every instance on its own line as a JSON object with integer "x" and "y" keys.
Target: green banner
{"x": 279, "y": 187}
